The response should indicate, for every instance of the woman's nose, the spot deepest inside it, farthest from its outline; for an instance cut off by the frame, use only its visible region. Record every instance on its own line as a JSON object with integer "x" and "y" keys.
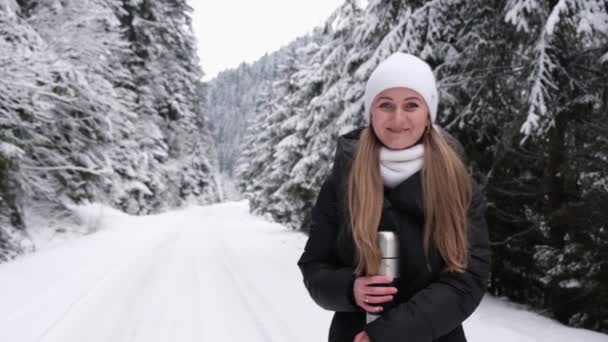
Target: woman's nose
{"x": 401, "y": 116}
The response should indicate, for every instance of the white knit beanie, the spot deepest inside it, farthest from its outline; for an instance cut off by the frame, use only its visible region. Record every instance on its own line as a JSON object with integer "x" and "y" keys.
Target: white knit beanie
{"x": 402, "y": 70}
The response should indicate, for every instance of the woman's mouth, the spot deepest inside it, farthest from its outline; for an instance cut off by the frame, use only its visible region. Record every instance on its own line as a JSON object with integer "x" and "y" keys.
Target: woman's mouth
{"x": 396, "y": 130}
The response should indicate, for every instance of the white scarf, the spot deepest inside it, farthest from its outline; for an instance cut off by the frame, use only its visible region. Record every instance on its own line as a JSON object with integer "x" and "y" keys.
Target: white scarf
{"x": 398, "y": 165}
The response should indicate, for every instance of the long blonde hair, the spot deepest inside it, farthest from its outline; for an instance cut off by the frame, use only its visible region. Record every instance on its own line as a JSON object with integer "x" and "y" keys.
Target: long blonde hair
{"x": 446, "y": 189}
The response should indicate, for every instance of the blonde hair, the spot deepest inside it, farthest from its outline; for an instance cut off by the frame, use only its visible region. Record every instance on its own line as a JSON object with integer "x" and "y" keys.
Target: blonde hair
{"x": 446, "y": 192}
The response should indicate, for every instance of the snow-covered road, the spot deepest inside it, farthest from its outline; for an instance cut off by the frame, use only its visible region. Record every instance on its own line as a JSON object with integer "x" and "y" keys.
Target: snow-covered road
{"x": 210, "y": 273}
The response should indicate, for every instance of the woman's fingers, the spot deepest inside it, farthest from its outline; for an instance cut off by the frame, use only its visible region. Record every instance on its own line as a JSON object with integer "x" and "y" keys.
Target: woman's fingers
{"x": 380, "y": 291}
{"x": 362, "y": 337}
{"x": 378, "y": 299}
{"x": 367, "y": 295}
{"x": 382, "y": 279}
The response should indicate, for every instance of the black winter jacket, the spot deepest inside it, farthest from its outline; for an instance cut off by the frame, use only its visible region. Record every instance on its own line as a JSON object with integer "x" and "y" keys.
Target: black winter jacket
{"x": 430, "y": 305}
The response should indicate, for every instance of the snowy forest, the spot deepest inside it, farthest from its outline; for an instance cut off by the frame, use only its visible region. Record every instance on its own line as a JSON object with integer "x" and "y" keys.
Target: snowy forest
{"x": 523, "y": 86}
{"x": 102, "y": 101}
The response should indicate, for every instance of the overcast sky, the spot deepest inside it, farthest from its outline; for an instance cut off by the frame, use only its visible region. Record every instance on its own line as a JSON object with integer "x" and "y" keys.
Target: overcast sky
{"x": 231, "y": 32}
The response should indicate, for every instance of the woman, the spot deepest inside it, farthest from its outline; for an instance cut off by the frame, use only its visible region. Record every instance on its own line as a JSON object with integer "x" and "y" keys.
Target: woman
{"x": 404, "y": 174}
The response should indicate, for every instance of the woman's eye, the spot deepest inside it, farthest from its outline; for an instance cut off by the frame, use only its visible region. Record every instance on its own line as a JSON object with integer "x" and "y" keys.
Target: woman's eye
{"x": 386, "y": 105}
{"x": 411, "y": 105}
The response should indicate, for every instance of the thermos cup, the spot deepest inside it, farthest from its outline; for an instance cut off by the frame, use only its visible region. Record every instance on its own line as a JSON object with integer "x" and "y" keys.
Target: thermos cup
{"x": 389, "y": 265}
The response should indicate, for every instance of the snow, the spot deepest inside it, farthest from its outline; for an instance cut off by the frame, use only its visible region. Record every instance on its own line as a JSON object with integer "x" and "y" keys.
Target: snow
{"x": 10, "y": 151}
{"x": 10, "y": 7}
{"x": 554, "y": 17}
{"x": 542, "y": 81}
{"x": 570, "y": 283}
{"x": 204, "y": 273}
{"x": 517, "y": 13}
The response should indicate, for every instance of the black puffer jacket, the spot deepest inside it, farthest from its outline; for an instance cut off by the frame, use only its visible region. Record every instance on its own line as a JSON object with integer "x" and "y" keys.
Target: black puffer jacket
{"x": 430, "y": 305}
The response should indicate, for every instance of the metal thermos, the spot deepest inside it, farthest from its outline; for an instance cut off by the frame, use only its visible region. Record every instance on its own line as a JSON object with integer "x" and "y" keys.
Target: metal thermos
{"x": 389, "y": 265}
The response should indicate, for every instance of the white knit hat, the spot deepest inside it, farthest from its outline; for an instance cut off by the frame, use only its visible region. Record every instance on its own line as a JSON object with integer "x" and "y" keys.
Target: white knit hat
{"x": 402, "y": 70}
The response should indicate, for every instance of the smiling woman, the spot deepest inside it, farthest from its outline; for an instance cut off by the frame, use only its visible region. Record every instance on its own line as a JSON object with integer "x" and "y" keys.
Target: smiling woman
{"x": 399, "y": 117}
{"x": 400, "y": 175}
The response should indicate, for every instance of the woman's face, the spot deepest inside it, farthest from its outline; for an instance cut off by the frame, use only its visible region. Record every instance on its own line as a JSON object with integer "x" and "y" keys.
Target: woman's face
{"x": 399, "y": 117}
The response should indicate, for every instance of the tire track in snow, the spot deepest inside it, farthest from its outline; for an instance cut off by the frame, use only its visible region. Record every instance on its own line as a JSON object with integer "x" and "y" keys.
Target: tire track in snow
{"x": 151, "y": 254}
{"x": 258, "y": 303}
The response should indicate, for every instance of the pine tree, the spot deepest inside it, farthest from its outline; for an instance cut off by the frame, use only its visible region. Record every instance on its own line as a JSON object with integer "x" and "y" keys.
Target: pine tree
{"x": 249, "y": 165}
{"x": 168, "y": 83}
{"x": 53, "y": 114}
{"x": 99, "y": 102}
{"x": 565, "y": 112}
{"x": 85, "y": 35}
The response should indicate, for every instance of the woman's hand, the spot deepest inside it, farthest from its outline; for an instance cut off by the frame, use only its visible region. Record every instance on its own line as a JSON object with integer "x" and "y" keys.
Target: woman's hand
{"x": 362, "y": 337}
{"x": 367, "y": 293}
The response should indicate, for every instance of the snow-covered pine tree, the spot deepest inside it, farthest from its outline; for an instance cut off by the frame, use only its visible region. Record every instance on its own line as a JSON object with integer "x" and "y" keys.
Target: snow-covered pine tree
{"x": 248, "y": 164}
{"x": 85, "y": 35}
{"x": 78, "y": 114}
{"x": 327, "y": 82}
{"x": 286, "y": 199}
{"x": 564, "y": 127}
{"x": 233, "y": 97}
{"x": 268, "y": 180}
{"x": 546, "y": 22}
{"x": 317, "y": 117}
{"x": 58, "y": 112}
{"x": 537, "y": 190}
{"x": 168, "y": 83}
{"x": 23, "y": 58}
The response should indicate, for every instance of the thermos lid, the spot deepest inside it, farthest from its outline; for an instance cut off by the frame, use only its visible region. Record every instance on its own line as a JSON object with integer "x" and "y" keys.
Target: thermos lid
{"x": 389, "y": 244}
